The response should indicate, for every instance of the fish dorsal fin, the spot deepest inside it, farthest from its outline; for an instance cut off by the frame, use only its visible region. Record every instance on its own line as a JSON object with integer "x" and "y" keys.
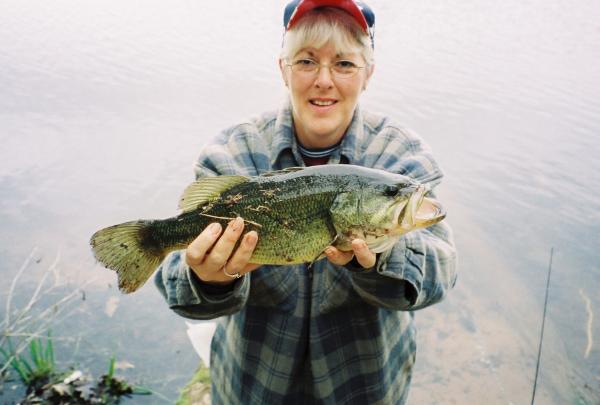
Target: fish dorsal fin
{"x": 282, "y": 171}
{"x": 207, "y": 189}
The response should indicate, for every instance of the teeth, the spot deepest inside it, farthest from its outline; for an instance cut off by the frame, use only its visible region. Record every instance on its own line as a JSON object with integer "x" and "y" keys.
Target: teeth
{"x": 322, "y": 103}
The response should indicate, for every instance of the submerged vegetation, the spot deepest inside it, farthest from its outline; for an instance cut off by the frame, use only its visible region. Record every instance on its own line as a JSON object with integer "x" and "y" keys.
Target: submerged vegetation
{"x": 27, "y": 352}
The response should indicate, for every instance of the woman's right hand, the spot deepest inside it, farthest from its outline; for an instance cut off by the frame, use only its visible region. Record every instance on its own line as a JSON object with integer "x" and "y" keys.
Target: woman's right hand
{"x": 210, "y": 256}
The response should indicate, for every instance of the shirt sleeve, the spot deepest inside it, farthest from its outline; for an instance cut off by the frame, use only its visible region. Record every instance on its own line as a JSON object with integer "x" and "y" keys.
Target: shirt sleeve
{"x": 417, "y": 272}
{"x": 421, "y": 268}
{"x": 189, "y": 297}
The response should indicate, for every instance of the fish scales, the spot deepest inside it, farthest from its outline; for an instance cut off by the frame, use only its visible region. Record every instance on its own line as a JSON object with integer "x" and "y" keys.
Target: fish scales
{"x": 292, "y": 218}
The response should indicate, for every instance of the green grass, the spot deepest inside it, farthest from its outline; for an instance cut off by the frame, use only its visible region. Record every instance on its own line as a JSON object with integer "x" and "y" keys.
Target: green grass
{"x": 37, "y": 371}
{"x": 39, "y": 367}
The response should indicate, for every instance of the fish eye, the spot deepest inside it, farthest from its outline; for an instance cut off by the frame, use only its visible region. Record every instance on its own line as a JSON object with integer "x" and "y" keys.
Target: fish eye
{"x": 390, "y": 191}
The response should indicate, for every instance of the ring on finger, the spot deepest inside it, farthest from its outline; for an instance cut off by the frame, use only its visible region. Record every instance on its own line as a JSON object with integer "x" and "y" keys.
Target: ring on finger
{"x": 235, "y": 275}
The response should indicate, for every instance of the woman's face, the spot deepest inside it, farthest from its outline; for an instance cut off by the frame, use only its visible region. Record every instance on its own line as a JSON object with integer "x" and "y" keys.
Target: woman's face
{"x": 323, "y": 105}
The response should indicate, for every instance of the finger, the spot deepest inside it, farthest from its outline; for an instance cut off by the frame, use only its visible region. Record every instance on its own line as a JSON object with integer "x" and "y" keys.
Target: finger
{"x": 238, "y": 261}
{"x": 250, "y": 267}
{"x": 364, "y": 256}
{"x": 338, "y": 257}
{"x": 222, "y": 278}
{"x": 196, "y": 251}
{"x": 221, "y": 250}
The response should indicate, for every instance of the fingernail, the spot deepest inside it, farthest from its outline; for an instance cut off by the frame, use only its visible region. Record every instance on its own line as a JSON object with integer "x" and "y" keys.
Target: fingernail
{"x": 236, "y": 223}
{"x": 215, "y": 228}
{"x": 251, "y": 237}
{"x": 359, "y": 245}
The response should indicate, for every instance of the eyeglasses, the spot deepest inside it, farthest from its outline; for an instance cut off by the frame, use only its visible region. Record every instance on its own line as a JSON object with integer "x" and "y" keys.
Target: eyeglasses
{"x": 342, "y": 69}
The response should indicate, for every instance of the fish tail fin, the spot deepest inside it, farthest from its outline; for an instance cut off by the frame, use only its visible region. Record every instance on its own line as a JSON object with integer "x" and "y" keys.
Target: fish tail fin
{"x": 128, "y": 249}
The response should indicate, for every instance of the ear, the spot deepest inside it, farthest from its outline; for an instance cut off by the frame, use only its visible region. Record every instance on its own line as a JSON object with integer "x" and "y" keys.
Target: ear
{"x": 370, "y": 71}
{"x": 283, "y": 71}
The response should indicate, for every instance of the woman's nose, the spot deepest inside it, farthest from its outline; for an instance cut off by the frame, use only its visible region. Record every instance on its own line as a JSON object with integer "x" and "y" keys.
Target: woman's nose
{"x": 324, "y": 78}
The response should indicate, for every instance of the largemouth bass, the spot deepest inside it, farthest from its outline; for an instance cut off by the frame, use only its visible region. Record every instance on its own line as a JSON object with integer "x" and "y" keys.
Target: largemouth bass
{"x": 297, "y": 213}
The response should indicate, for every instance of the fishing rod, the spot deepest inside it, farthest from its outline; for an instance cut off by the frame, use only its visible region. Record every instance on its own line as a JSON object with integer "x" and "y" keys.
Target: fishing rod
{"x": 539, "y": 356}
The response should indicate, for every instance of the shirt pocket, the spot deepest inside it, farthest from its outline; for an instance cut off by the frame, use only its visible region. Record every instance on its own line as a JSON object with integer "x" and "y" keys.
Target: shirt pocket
{"x": 274, "y": 287}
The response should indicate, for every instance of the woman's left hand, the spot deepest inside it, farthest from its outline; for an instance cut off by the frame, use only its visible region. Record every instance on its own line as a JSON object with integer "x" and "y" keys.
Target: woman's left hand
{"x": 364, "y": 256}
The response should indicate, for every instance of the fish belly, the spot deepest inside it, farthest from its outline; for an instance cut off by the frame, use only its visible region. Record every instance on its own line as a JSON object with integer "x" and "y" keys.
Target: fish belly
{"x": 293, "y": 244}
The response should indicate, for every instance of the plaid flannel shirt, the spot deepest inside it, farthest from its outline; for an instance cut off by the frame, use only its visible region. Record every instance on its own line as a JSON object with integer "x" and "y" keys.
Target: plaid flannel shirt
{"x": 329, "y": 334}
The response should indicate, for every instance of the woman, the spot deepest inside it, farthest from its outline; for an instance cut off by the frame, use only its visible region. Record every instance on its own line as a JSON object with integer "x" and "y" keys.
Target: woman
{"x": 341, "y": 331}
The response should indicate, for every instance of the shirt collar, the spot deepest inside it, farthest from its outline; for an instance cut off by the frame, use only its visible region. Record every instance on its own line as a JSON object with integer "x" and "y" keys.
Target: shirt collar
{"x": 352, "y": 141}
{"x": 284, "y": 133}
{"x": 284, "y": 138}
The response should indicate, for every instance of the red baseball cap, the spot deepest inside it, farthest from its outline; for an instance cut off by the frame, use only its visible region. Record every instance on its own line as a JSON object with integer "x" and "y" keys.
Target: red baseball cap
{"x": 362, "y": 13}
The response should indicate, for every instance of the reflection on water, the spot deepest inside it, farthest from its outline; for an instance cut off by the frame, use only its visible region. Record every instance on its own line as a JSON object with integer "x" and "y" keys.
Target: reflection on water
{"x": 104, "y": 108}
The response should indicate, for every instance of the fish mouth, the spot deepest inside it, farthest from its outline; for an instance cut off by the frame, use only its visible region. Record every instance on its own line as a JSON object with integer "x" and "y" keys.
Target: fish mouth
{"x": 430, "y": 212}
{"x": 420, "y": 211}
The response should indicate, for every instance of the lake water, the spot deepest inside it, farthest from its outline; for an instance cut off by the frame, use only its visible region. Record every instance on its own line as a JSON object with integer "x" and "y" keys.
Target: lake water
{"x": 105, "y": 105}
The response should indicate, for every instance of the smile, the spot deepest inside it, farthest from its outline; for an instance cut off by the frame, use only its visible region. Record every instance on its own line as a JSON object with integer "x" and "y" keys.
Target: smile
{"x": 323, "y": 103}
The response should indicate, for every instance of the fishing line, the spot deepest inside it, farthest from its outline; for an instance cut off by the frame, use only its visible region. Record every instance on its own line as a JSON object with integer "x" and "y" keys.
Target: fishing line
{"x": 539, "y": 356}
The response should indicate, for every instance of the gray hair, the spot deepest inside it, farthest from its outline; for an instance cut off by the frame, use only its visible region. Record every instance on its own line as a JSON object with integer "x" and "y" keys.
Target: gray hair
{"x": 327, "y": 25}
